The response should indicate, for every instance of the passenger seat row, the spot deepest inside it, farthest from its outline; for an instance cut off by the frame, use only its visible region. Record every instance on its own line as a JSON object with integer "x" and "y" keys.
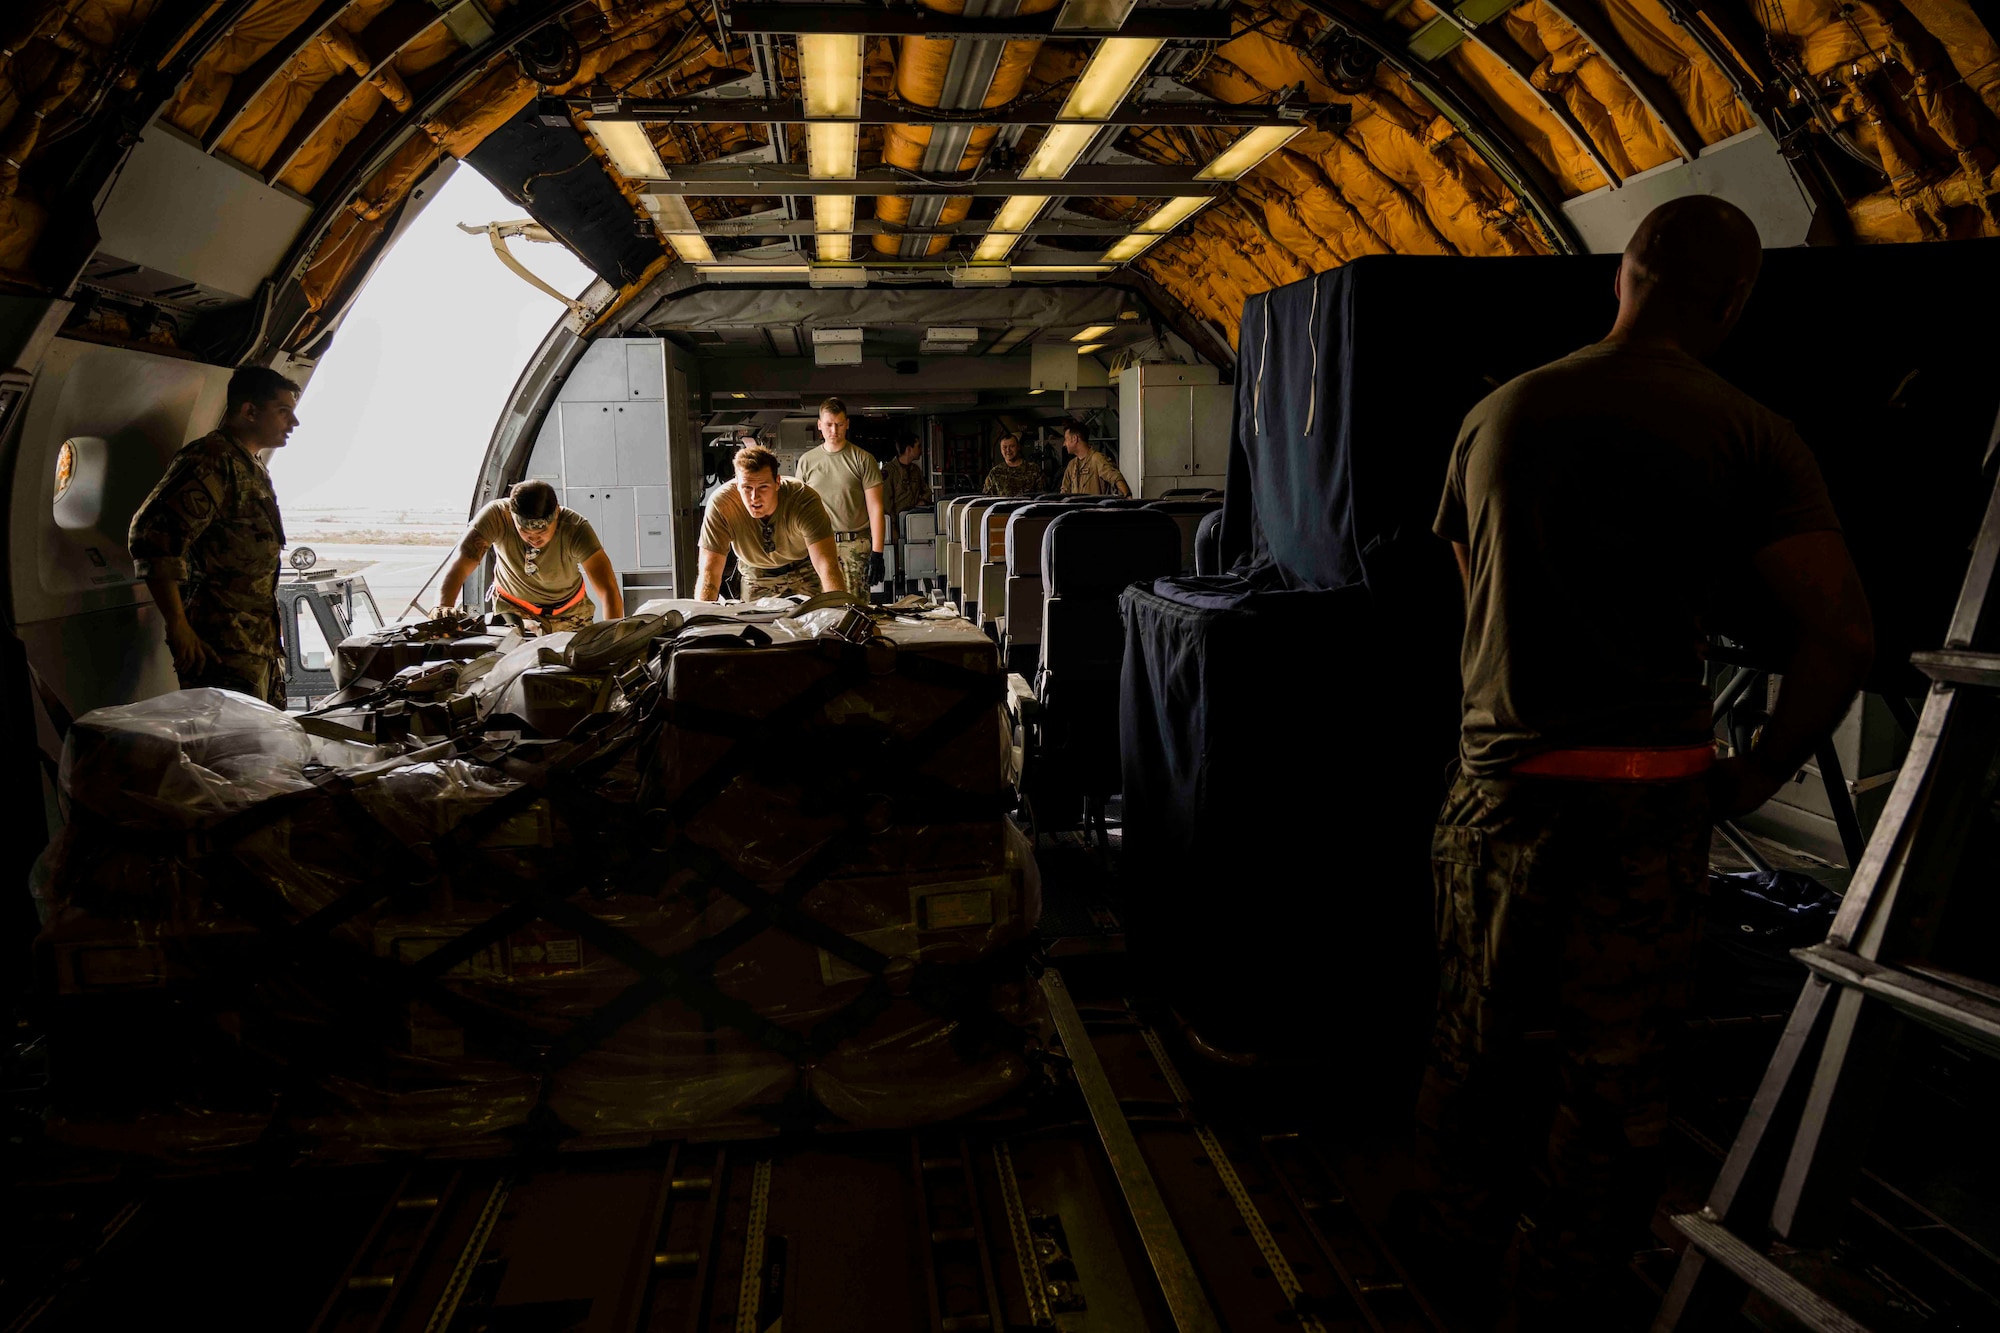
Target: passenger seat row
{"x": 992, "y": 556}
{"x": 1043, "y": 577}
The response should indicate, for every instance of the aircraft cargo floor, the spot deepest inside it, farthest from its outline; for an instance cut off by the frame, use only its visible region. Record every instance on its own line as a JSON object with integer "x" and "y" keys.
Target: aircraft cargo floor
{"x": 1141, "y": 1184}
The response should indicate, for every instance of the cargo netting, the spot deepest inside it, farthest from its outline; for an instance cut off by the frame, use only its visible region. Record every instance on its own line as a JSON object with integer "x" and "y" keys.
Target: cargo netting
{"x": 721, "y": 870}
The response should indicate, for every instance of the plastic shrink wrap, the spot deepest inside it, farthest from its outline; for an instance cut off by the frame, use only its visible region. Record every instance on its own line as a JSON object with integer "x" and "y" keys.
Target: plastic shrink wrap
{"x": 236, "y": 911}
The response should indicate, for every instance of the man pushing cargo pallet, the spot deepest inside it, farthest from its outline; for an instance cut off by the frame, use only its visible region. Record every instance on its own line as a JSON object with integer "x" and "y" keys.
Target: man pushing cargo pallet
{"x": 544, "y": 555}
{"x": 1596, "y": 506}
{"x": 779, "y": 529}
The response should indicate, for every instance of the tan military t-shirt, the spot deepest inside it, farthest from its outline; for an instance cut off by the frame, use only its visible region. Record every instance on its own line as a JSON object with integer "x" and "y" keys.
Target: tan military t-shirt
{"x": 841, "y": 478}
{"x": 1611, "y": 500}
{"x": 798, "y": 521}
{"x": 558, "y": 566}
{"x": 1093, "y": 474}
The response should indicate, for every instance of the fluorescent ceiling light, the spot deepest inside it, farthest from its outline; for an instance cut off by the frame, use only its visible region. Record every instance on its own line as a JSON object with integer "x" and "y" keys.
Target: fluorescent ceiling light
{"x": 1018, "y": 211}
{"x": 1130, "y": 248}
{"x": 993, "y": 246}
{"x": 1114, "y": 67}
{"x": 626, "y": 144}
{"x": 673, "y": 220}
{"x": 833, "y": 223}
{"x": 1088, "y": 348}
{"x": 691, "y": 247}
{"x": 830, "y": 70}
{"x": 1094, "y": 331}
{"x": 670, "y": 213}
{"x": 954, "y": 334}
{"x": 1062, "y": 268}
{"x": 1174, "y": 212}
{"x": 1248, "y": 151}
{"x": 1058, "y": 151}
{"x": 822, "y": 337}
{"x": 832, "y": 149}
{"x": 1093, "y": 15}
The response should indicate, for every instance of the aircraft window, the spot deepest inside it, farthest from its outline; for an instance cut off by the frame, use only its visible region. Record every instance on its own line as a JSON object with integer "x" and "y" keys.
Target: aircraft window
{"x": 79, "y": 488}
{"x": 65, "y": 467}
{"x": 313, "y": 652}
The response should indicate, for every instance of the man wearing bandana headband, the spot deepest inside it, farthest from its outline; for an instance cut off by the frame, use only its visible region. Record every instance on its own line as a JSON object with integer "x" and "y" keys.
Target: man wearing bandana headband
{"x": 543, "y": 556}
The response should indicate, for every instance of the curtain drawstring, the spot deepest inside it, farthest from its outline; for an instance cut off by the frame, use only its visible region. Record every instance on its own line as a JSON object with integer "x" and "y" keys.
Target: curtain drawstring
{"x": 1312, "y": 345}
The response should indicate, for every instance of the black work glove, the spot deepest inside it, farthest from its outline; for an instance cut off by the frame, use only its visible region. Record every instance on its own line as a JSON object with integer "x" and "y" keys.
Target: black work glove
{"x": 875, "y": 575}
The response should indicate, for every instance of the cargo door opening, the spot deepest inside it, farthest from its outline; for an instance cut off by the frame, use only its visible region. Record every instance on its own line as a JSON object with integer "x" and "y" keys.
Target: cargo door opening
{"x": 396, "y": 417}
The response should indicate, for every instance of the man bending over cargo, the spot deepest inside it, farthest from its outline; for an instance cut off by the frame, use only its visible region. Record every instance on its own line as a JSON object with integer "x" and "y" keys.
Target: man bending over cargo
{"x": 543, "y": 555}
{"x": 778, "y": 528}
{"x": 207, "y": 539}
{"x": 1595, "y": 506}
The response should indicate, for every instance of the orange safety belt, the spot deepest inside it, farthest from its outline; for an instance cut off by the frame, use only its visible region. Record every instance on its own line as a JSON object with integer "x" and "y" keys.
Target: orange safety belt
{"x": 538, "y": 611}
{"x": 1620, "y": 763}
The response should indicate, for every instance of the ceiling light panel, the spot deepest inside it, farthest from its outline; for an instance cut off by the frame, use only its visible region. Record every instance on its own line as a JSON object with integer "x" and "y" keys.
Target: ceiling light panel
{"x": 833, "y": 223}
{"x": 832, "y": 150}
{"x": 830, "y": 70}
{"x": 1018, "y": 211}
{"x": 1058, "y": 151}
{"x": 1088, "y": 348}
{"x": 1255, "y": 145}
{"x": 1114, "y": 67}
{"x": 691, "y": 247}
{"x": 626, "y": 144}
{"x": 1094, "y": 331}
{"x": 993, "y": 246}
{"x": 1130, "y": 248}
{"x": 1174, "y": 212}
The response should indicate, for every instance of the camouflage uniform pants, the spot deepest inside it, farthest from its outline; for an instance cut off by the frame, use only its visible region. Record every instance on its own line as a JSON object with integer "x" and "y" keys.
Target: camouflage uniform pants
{"x": 757, "y": 584}
{"x": 854, "y": 554}
{"x": 1573, "y": 907}
{"x": 583, "y": 613}
{"x": 271, "y": 688}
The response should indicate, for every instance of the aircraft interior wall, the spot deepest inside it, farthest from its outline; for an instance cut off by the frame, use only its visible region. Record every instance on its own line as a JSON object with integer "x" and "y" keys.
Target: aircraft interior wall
{"x": 86, "y": 620}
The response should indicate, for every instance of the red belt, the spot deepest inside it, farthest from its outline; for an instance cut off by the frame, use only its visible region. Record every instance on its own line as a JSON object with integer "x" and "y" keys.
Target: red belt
{"x": 1617, "y": 763}
{"x": 541, "y": 611}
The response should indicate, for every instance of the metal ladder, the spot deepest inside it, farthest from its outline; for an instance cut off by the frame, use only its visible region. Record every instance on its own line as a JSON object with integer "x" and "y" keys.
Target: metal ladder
{"x": 1799, "y": 1150}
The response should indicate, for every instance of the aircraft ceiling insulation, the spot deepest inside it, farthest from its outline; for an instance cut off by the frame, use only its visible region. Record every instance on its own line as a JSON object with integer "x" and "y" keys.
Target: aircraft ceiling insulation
{"x": 1216, "y": 150}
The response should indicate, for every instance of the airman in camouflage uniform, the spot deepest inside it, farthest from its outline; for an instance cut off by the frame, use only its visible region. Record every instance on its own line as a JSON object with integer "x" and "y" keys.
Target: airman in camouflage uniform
{"x": 207, "y": 542}
{"x": 1013, "y": 475}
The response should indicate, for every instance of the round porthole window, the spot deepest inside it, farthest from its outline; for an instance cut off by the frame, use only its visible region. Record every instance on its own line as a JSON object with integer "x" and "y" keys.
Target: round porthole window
{"x": 65, "y": 467}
